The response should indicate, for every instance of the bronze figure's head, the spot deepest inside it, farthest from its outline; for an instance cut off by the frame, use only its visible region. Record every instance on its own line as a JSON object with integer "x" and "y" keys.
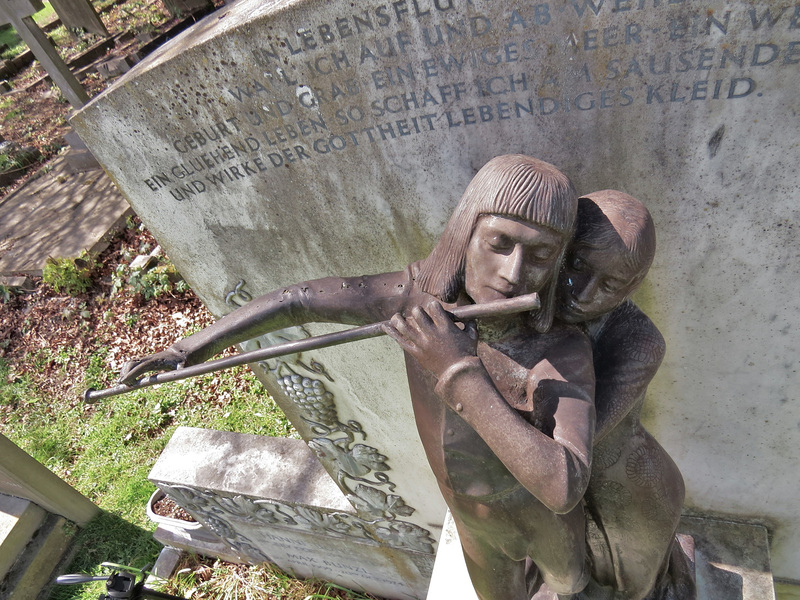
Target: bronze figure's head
{"x": 534, "y": 195}
{"x": 613, "y": 248}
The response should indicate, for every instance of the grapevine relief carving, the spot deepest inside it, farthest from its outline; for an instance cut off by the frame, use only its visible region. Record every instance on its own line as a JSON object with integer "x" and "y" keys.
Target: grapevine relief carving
{"x": 359, "y": 469}
{"x": 218, "y": 511}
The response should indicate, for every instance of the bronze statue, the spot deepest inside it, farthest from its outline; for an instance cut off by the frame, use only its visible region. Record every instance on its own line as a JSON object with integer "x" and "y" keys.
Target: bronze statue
{"x": 505, "y": 407}
{"x": 636, "y": 491}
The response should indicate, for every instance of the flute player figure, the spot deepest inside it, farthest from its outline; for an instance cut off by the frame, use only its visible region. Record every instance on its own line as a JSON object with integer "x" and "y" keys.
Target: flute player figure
{"x": 504, "y": 408}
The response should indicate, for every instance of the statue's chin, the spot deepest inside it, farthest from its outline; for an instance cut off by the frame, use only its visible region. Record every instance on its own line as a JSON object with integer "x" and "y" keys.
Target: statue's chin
{"x": 567, "y": 315}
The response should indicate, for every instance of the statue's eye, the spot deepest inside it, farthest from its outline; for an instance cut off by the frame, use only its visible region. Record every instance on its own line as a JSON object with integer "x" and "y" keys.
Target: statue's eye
{"x": 577, "y": 264}
{"x": 500, "y": 243}
{"x": 612, "y": 287}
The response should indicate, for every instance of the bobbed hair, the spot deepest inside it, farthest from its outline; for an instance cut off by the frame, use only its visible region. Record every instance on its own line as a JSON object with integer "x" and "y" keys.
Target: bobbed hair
{"x": 607, "y": 216}
{"x": 514, "y": 186}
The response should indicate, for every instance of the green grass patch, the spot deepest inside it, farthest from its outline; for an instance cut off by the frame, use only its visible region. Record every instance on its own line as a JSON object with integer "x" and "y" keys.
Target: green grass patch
{"x": 45, "y": 16}
{"x": 107, "y": 450}
{"x": 10, "y": 37}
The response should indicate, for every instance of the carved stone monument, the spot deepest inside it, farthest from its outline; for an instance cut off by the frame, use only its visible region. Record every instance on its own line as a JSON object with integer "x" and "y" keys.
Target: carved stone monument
{"x": 284, "y": 141}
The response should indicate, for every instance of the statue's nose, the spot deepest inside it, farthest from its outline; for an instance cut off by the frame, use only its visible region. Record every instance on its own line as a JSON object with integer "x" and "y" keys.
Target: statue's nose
{"x": 512, "y": 265}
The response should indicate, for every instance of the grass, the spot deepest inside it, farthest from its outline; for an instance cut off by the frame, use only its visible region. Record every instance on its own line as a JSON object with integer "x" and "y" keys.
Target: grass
{"x": 219, "y": 581}
{"x": 106, "y": 451}
{"x": 44, "y": 16}
{"x": 9, "y": 37}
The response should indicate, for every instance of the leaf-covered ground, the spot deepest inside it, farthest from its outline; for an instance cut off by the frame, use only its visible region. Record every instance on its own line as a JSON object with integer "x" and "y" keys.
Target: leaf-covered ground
{"x": 34, "y": 114}
{"x": 66, "y": 331}
{"x": 52, "y": 346}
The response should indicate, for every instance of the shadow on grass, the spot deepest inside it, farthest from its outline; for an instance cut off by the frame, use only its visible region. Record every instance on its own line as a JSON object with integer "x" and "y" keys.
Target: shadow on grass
{"x": 106, "y": 538}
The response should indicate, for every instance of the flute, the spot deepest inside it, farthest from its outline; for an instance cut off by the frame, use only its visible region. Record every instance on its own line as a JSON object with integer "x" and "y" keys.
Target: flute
{"x": 467, "y": 312}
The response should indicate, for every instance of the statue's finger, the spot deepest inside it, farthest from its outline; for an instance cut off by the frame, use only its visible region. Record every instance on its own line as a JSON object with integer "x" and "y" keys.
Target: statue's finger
{"x": 421, "y": 316}
{"x": 404, "y": 342}
{"x": 438, "y": 314}
{"x": 127, "y": 369}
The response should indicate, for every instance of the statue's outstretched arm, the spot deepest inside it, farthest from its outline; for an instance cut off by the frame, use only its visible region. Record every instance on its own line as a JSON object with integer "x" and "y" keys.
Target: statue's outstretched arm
{"x": 352, "y": 300}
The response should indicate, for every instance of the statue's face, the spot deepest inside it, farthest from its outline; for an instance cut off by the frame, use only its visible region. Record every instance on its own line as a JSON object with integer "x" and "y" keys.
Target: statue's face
{"x": 507, "y": 257}
{"x": 594, "y": 281}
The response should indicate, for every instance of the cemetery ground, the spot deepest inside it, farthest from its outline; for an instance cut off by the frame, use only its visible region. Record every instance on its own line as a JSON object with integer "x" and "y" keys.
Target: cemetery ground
{"x": 75, "y": 332}
{"x": 84, "y": 319}
{"x": 34, "y": 113}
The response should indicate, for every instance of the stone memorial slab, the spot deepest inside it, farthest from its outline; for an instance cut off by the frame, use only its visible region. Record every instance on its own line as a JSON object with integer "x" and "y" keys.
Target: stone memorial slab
{"x": 281, "y": 141}
{"x": 269, "y": 499}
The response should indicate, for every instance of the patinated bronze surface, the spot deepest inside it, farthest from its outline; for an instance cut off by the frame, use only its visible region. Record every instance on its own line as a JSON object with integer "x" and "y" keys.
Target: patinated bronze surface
{"x": 636, "y": 491}
{"x": 505, "y": 408}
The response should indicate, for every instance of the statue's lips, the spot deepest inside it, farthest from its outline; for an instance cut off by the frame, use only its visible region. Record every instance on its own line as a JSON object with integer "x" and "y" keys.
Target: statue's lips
{"x": 508, "y": 293}
{"x": 571, "y": 309}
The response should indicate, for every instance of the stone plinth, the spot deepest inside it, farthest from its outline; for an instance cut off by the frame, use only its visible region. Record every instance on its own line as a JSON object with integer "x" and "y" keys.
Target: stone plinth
{"x": 270, "y": 500}
{"x": 19, "y": 520}
{"x": 731, "y": 562}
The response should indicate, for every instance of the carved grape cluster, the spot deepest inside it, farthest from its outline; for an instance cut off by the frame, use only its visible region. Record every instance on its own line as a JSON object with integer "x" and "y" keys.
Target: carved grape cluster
{"x": 311, "y": 397}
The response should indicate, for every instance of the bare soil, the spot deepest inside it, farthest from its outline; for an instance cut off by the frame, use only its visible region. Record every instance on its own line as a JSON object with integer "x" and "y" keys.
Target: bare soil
{"x": 166, "y": 507}
{"x": 78, "y": 326}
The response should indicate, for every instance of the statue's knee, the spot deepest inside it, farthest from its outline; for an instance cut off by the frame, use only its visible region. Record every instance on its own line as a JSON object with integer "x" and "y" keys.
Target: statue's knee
{"x": 638, "y": 589}
{"x": 568, "y": 583}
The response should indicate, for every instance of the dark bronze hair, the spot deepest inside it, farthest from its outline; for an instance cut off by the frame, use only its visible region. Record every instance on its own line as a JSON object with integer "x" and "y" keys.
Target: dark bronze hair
{"x": 610, "y": 215}
{"x": 514, "y": 186}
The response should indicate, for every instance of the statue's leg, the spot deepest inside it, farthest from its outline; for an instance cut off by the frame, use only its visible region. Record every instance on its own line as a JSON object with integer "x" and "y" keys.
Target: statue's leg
{"x": 494, "y": 575}
{"x": 499, "y": 533}
{"x": 678, "y": 579}
{"x": 636, "y": 502}
{"x": 557, "y": 546}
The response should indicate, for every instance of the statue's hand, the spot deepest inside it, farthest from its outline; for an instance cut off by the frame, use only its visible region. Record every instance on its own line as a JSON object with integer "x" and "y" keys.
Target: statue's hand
{"x": 431, "y": 336}
{"x": 167, "y": 360}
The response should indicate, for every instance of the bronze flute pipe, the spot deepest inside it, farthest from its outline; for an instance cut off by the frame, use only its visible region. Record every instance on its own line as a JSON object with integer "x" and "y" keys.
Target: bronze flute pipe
{"x": 467, "y": 312}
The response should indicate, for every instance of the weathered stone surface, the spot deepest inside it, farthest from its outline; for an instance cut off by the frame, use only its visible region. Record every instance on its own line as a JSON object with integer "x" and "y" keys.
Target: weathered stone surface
{"x": 61, "y": 213}
{"x": 732, "y": 559}
{"x": 166, "y": 565}
{"x": 19, "y": 519}
{"x": 282, "y": 141}
{"x": 269, "y": 499}
{"x": 114, "y": 67}
{"x": 18, "y": 284}
{"x": 33, "y": 572}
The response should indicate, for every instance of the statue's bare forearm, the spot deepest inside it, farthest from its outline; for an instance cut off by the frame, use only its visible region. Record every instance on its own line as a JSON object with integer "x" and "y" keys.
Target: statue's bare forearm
{"x": 352, "y": 300}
